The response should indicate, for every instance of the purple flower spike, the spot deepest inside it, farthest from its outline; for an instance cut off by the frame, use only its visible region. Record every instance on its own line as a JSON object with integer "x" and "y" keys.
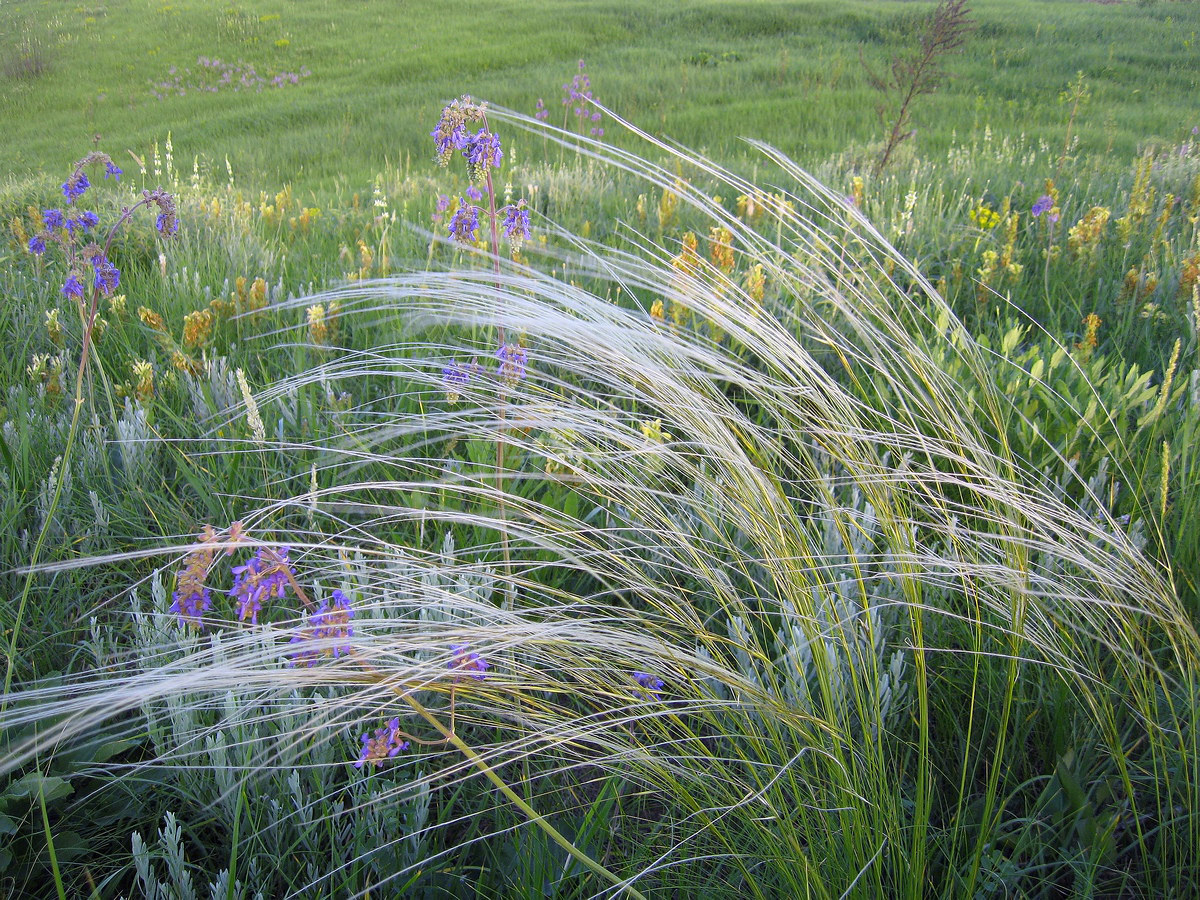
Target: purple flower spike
{"x": 464, "y": 663}
{"x": 73, "y": 287}
{"x": 650, "y": 683}
{"x": 481, "y": 150}
{"x": 75, "y": 186}
{"x": 265, "y": 574}
{"x": 384, "y": 744}
{"x": 329, "y": 626}
{"x": 1044, "y": 204}
{"x": 191, "y": 607}
{"x": 108, "y": 276}
{"x": 89, "y": 220}
{"x": 110, "y": 168}
{"x": 474, "y": 193}
{"x": 513, "y": 360}
{"x": 464, "y": 224}
{"x": 516, "y": 219}
{"x": 37, "y": 245}
{"x": 53, "y": 218}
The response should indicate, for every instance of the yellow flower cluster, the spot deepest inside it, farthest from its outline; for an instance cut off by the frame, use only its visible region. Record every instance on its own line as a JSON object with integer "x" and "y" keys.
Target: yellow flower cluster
{"x": 198, "y": 328}
{"x": 1141, "y": 198}
{"x": 144, "y": 373}
{"x": 1001, "y": 266}
{"x": 720, "y": 248}
{"x": 1084, "y": 237}
{"x": 668, "y": 204}
{"x": 151, "y": 319}
{"x": 54, "y": 328}
{"x": 687, "y": 264}
{"x": 48, "y": 371}
{"x": 985, "y": 217}
{"x": 323, "y": 323}
{"x": 1139, "y": 284}
{"x": 756, "y": 283}
{"x": 858, "y": 191}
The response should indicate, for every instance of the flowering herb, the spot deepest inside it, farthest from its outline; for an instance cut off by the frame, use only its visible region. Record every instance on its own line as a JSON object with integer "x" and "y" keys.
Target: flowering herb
{"x": 1045, "y": 204}
{"x": 75, "y": 186}
{"x": 329, "y": 626}
{"x": 108, "y": 276}
{"x": 513, "y": 360}
{"x": 73, "y": 287}
{"x": 192, "y": 597}
{"x": 467, "y": 663}
{"x": 474, "y": 193}
{"x": 651, "y": 684}
{"x": 65, "y": 226}
{"x": 191, "y": 606}
{"x": 540, "y": 112}
{"x": 516, "y": 223}
{"x": 384, "y": 744}
{"x": 464, "y": 224}
{"x": 456, "y": 377}
{"x": 451, "y": 131}
{"x": 267, "y": 573}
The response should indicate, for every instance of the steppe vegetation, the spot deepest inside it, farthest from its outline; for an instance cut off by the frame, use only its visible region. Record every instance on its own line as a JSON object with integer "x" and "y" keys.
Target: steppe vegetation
{"x": 674, "y": 492}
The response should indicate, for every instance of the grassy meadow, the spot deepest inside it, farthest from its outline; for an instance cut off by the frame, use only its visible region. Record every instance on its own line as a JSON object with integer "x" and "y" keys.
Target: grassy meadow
{"x": 759, "y": 524}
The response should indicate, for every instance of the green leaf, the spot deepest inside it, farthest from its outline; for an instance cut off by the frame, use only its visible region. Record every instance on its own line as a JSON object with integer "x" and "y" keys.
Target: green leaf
{"x": 52, "y": 788}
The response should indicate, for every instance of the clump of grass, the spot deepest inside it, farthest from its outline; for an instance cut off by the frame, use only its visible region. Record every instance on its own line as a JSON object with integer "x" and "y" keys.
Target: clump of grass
{"x": 777, "y": 590}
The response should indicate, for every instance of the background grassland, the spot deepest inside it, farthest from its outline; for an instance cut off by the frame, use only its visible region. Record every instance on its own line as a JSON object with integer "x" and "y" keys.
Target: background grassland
{"x": 702, "y": 72}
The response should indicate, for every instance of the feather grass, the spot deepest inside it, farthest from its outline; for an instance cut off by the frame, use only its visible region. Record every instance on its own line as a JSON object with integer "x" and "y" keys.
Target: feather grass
{"x": 852, "y": 588}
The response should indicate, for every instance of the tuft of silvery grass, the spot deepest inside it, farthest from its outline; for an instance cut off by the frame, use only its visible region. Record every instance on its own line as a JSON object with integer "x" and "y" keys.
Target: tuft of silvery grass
{"x": 829, "y": 532}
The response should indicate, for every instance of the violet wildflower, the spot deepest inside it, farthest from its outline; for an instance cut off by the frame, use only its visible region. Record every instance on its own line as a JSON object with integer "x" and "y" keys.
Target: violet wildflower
{"x": 108, "y": 276}
{"x": 329, "y": 625}
{"x": 75, "y": 186}
{"x": 89, "y": 220}
{"x": 650, "y": 683}
{"x": 191, "y": 606}
{"x": 110, "y": 168}
{"x": 73, "y": 287}
{"x": 481, "y": 150}
{"x": 268, "y": 572}
{"x": 465, "y": 223}
{"x": 474, "y": 193}
{"x": 384, "y": 744}
{"x": 540, "y": 112}
{"x": 513, "y": 360}
{"x": 37, "y": 245}
{"x": 451, "y": 131}
{"x": 443, "y": 204}
{"x": 1043, "y": 204}
{"x": 167, "y": 222}
{"x": 455, "y": 378}
{"x": 53, "y": 218}
{"x": 468, "y": 663}
{"x": 516, "y": 224}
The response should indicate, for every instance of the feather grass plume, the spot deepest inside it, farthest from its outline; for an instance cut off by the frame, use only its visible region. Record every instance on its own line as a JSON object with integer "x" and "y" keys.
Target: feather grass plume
{"x": 770, "y": 571}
